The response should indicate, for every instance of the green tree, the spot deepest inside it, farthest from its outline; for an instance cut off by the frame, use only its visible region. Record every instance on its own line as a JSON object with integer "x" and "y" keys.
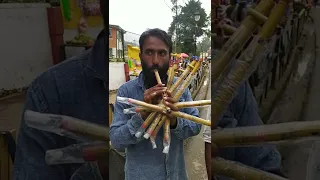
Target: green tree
{"x": 186, "y": 26}
{"x": 204, "y": 45}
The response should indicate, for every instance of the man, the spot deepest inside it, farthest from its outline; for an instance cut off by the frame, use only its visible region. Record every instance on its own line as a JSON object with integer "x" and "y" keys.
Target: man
{"x": 75, "y": 88}
{"x": 143, "y": 162}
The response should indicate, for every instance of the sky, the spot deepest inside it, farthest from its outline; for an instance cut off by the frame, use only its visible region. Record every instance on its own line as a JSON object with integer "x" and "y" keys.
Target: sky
{"x": 139, "y": 15}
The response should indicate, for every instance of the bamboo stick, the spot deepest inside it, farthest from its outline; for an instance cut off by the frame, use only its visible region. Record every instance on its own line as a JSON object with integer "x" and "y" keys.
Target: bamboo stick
{"x": 238, "y": 39}
{"x": 239, "y": 171}
{"x": 264, "y": 133}
{"x": 157, "y": 76}
{"x": 66, "y": 126}
{"x": 153, "y": 126}
{"x": 191, "y": 118}
{"x": 77, "y": 153}
{"x": 192, "y": 103}
{"x": 246, "y": 62}
{"x": 179, "y": 105}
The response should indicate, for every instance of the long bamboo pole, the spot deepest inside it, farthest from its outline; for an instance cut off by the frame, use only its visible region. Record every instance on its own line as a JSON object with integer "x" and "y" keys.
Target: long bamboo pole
{"x": 239, "y": 171}
{"x": 238, "y": 39}
{"x": 246, "y": 62}
{"x": 66, "y": 126}
{"x": 264, "y": 133}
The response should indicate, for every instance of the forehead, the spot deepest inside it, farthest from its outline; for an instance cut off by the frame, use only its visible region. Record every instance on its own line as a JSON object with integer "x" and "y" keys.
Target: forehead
{"x": 154, "y": 43}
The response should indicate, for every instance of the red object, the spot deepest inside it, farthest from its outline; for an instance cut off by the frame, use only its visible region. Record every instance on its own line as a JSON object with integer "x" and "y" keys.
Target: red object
{"x": 55, "y": 23}
{"x": 126, "y": 72}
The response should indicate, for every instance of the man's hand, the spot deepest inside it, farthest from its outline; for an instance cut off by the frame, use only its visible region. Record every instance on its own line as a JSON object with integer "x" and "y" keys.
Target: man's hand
{"x": 153, "y": 96}
{"x": 170, "y": 101}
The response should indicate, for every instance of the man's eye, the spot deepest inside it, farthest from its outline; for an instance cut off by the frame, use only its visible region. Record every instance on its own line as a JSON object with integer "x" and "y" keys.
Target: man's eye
{"x": 162, "y": 53}
{"x": 148, "y": 52}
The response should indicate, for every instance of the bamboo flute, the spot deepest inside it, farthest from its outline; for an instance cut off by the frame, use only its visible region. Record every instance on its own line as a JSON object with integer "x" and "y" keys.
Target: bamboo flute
{"x": 264, "y": 133}
{"x": 175, "y": 85}
{"x": 66, "y": 126}
{"x": 179, "y": 105}
{"x": 246, "y": 62}
{"x": 238, "y": 39}
{"x": 193, "y": 103}
{"x": 158, "y": 118}
{"x": 239, "y": 171}
{"x": 77, "y": 153}
{"x": 164, "y": 118}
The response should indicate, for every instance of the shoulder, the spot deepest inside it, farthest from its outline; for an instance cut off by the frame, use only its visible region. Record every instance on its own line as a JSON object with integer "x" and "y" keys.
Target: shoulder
{"x": 61, "y": 75}
{"x": 128, "y": 87}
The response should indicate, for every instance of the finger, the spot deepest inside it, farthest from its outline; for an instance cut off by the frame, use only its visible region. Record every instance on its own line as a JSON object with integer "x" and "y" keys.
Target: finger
{"x": 168, "y": 93}
{"x": 170, "y": 100}
{"x": 157, "y": 93}
{"x": 171, "y": 106}
{"x": 156, "y": 89}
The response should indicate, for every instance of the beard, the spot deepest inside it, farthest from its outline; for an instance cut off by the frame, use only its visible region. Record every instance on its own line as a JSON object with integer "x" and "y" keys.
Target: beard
{"x": 149, "y": 76}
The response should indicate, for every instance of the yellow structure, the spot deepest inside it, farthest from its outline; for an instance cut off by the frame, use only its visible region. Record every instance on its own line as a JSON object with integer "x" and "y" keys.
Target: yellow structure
{"x": 76, "y": 14}
{"x": 134, "y": 59}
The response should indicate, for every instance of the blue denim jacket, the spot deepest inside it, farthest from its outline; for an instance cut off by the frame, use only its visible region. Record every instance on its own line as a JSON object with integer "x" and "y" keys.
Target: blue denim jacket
{"x": 243, "y": 111}
{"x": 75, "y": 88}
{"x": 143, "y": 162}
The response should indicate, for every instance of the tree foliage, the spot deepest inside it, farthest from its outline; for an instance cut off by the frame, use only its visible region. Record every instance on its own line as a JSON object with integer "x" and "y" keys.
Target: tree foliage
{"x": 186, "y": 26}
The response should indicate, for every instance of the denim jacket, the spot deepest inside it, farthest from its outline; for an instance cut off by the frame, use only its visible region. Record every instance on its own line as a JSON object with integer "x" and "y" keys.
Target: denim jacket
{"x": 142, "y": 161}
{"x": 74, "y": 88}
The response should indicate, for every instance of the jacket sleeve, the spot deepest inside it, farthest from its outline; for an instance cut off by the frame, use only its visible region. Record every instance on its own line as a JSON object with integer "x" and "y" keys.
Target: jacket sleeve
{"x": 32, "y": 144}
{"x": 123, "y": 126}
{"x": 186, "y": 128}
{"x": 265, "y": 157}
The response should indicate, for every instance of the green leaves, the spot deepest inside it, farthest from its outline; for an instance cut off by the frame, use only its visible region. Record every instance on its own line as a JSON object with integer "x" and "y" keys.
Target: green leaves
{"x": 187, "y": 28}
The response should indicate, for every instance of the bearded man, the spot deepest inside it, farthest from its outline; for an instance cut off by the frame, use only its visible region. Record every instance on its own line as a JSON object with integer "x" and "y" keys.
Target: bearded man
{"x": 142, "y": 161}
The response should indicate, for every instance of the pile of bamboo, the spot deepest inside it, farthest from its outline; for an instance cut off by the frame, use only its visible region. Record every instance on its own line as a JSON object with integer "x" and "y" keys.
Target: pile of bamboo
{"x": 227, "y": 80}
{"x": 99, "y": 136}
{"x": 158, "y": 118}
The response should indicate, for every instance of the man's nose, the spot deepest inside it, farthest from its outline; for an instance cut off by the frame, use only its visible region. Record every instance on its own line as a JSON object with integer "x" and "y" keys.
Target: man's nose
{"x": 155, "y": 59}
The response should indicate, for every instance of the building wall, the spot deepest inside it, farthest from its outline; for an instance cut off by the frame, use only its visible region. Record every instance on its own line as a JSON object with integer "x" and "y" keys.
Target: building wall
{"x": 113, "y": 39}
{"x": 116, "y": 75}
{"x": 115, "y": 43}
{"x": 25, "y": 46}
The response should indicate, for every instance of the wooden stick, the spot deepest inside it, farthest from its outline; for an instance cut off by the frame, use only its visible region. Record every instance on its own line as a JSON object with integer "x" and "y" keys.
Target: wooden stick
{"x": 264, "y": 133}
{"x": 239, "y": 171}
{"x": 187, "y": 104}
{"x": 156, "y": 72}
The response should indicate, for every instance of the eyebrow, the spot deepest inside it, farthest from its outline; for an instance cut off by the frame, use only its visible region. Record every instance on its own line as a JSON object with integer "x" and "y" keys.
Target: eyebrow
{"x": 150, "y": 49}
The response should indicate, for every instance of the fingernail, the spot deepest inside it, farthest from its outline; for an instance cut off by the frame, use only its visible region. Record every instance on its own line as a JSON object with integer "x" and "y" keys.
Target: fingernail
{"x": 165, "y": 98}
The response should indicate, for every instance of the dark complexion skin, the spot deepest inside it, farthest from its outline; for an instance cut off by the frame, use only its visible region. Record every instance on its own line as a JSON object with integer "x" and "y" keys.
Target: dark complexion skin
{"x": 155, "y": 53}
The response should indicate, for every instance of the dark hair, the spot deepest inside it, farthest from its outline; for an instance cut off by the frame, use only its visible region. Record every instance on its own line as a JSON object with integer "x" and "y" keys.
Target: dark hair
{"x": 103, "y": 11}
{"x": 162, "y": 35}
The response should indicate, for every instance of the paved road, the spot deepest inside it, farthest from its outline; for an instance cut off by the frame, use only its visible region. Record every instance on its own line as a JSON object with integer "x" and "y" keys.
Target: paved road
{"x": 194, "y": 147}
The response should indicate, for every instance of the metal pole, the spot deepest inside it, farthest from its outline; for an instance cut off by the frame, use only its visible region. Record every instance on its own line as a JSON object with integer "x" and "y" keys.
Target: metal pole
{"x": 176, "y": 24}
{"x": 195, "y": 40}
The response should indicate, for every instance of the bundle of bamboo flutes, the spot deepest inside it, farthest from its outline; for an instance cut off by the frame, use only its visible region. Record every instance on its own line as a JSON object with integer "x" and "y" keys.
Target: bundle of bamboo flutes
{"x": 158, "y": 118}
{"x": 226, "y": 87}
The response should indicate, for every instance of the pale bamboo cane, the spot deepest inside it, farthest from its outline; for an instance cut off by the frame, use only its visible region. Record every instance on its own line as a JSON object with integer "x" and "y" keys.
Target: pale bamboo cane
{"x": 66, "y": 126}
{"x": 176, "y": 84}
{"x": 264, "y": 133}
{"x": 239, "y": 171}
{"x": 236, "y": 42}
{"x": 239, "y": 73}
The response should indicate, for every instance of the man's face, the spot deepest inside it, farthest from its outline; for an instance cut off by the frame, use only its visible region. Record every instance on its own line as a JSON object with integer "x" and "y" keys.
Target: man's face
{"x": 154, "y": 55}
